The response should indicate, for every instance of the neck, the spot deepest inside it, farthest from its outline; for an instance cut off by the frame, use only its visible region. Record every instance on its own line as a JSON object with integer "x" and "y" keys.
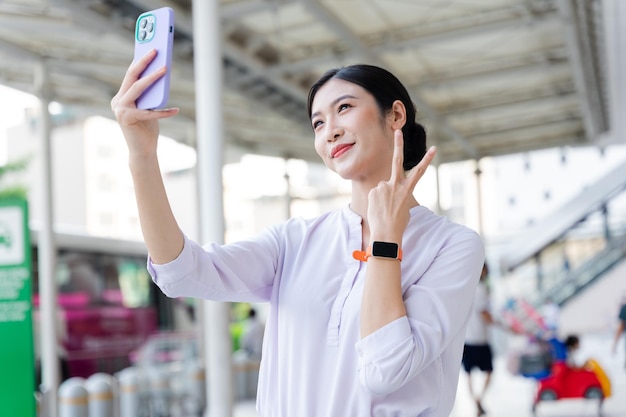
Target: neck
{"x": 358, "y": 204}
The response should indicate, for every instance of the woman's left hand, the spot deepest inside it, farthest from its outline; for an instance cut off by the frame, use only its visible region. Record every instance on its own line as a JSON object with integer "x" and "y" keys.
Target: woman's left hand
{"x": 389, "y": 202}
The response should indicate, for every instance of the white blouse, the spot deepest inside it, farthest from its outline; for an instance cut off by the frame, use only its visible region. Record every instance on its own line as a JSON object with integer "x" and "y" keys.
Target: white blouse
{"x": 314, "y": 362}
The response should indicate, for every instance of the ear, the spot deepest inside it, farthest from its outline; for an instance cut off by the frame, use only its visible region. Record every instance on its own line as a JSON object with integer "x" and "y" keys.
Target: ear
{"x": 397, "y": 115}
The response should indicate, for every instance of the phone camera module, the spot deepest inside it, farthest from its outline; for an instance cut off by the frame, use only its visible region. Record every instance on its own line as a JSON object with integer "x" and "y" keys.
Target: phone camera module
{"x": 145, "y": 28}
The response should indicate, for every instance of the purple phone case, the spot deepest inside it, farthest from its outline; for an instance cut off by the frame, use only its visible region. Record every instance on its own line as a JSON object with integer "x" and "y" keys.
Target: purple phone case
{"x": 157, "y": 94}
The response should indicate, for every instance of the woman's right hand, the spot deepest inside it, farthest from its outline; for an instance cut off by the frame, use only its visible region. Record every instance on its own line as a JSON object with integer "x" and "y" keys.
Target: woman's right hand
{"x": 140, "y": 127}
{"x": 141, "y": 130}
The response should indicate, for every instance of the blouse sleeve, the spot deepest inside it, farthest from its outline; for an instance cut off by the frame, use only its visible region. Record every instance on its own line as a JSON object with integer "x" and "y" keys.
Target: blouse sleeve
{"x": 438, "y": 306}
{"x": 242, "y": 271}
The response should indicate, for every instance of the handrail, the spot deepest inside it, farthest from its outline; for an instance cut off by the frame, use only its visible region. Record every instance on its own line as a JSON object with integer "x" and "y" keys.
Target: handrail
{"x": 554, "y": 226}
{"x": 567, "y": 285}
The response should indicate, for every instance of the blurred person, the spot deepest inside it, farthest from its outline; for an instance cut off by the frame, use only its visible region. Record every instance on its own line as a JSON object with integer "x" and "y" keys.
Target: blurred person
{"x": 572, "y": 346}
{"x": 252, "y": 336}
{"x": 368, "y": 304}
{"x": 82, "y": 278}
{"x": 477, "y": 352}
{"x": 621, "y": 326}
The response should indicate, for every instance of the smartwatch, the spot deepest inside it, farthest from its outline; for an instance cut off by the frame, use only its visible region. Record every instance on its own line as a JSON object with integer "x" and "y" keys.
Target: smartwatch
{"x": 386, "y": 250}
{"x": 379, "y": 250}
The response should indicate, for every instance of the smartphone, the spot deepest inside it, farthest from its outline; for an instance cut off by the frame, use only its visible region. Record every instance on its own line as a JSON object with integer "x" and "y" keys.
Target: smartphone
{"x": 155, "y": 30}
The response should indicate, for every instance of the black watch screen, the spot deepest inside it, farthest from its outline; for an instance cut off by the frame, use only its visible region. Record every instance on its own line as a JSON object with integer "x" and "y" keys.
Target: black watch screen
{"x": 385, "y": 249}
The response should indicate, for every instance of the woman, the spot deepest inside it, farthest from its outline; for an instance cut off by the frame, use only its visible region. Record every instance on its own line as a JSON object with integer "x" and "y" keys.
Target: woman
{"x": 349, "y": 332}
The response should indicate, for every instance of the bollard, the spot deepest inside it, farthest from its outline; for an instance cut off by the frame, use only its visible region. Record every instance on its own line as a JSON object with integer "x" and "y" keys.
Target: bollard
{"x": 73, "y": 398}
{"x": 196, "y": 388}
{"x": 253, "y": 378}
{"x": 240, "y": 381}
{"x": 159, "y": 392}
{"x": 130, "y": 392}
{"x": 100, "y": 389}
{"x": 246, "y": 375}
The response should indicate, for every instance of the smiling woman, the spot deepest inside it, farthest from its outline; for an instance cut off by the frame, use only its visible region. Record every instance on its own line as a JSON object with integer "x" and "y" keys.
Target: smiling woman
{"x": 379, "y": 334}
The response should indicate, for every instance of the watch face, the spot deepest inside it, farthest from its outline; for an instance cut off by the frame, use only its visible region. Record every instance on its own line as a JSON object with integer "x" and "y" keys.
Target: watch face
{"x": 385, "y": 249}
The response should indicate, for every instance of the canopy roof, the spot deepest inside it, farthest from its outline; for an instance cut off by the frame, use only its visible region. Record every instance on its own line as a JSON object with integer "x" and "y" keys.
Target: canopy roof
{"x": 488, "y": 77}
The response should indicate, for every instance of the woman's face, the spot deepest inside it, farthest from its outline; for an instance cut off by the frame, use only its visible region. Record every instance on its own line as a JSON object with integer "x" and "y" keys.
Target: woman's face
{"x": 350, "y": 135}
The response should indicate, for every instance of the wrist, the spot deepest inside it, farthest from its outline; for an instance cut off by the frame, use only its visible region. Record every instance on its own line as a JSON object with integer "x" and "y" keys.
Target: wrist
{"x": 140, "y": 160}
{"x": 386, "y": 236}
{"x": 381, "y": 250}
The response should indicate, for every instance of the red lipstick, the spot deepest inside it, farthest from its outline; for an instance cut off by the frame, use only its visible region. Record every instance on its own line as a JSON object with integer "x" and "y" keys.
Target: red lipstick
{"x": 339, "y": 150}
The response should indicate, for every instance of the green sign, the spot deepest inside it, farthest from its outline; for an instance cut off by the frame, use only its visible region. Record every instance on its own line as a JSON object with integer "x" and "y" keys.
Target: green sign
{"x": 17, "y": 368}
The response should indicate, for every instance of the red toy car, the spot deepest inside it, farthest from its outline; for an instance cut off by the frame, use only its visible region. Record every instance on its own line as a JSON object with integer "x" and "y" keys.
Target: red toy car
{"x": 589, "y": 382}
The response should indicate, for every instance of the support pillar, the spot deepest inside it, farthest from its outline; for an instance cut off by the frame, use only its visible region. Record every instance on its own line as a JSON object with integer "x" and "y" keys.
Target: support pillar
{"x": 50, "y": 372}
{"x": 208, "y": 81}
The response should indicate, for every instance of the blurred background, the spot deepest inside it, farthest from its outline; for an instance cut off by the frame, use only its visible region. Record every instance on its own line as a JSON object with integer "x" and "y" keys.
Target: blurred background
{"x": 524, "y": 99}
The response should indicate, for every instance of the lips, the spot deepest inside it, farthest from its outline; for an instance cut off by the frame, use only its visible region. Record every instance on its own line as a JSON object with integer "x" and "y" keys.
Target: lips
{"x": 339, "y": 150}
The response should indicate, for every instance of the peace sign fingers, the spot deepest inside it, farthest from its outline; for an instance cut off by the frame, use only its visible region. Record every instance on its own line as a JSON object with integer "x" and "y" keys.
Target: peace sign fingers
{"x": 417, "y": 172}
{"x": 397, "y": 170}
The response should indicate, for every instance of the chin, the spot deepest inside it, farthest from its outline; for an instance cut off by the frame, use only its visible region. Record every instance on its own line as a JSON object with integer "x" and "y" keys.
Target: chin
{"x": 345, "y": 174}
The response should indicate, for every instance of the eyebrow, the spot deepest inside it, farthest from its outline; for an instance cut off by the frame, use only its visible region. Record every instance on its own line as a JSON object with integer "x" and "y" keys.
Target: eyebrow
{"x": 333, "y": 103}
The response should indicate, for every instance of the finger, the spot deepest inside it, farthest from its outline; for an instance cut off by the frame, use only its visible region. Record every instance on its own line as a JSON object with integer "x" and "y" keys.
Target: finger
{"x": 128, "y": 98}
{"x": 418, "y": 170}
{"x": 138, "y": 87}
{"x": 136, "y": 68}
{"x": 397, "y": 171}
{"x": 158, "y": 113}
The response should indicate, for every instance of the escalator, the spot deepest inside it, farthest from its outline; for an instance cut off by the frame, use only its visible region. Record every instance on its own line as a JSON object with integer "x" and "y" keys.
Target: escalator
{"x": 564, "y": 253}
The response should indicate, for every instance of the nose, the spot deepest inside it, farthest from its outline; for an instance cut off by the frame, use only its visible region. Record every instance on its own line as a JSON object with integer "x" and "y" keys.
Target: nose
{"x": 334, "y": 131}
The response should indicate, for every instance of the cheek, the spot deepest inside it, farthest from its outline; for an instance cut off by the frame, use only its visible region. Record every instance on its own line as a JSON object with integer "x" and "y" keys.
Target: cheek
{"x": 319, "y": 147}
{"x": 372, "y": 115}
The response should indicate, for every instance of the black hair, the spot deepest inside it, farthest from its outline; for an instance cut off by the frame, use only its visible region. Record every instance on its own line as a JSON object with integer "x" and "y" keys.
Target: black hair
{"x": 386, "y": 88}
{"x": 571, "y": 341}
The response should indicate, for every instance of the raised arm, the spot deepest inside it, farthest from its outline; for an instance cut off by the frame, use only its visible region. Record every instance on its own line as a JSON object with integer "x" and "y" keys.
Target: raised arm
{"x": 161, "y": 233}
{"x": 388, "y": 216}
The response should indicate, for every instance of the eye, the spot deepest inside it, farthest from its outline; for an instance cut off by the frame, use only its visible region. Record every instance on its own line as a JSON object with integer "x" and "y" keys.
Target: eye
{"x": 344, "y": 106}
{"x": 316, "y": 124}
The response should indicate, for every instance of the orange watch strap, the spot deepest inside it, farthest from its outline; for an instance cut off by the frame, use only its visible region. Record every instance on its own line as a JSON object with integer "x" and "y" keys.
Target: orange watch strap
{"x": 361, "y": 255}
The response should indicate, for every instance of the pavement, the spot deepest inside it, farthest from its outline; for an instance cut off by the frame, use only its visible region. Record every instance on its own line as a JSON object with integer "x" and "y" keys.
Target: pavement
{"x": 512, "y": 395}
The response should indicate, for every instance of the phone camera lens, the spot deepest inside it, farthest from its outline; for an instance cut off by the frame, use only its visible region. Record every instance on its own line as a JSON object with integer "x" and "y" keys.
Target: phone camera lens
{"x": 142, "y": 35}
{"x": 143, "y": 23}
{"x": 150, "y": 27}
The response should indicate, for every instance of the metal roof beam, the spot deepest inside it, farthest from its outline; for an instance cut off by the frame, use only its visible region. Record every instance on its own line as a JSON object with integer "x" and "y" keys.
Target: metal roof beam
{"x": 493, "y": 74}
{"x": 511, "y": 99}
{"x": 392, "y": 40}
{"x": 506, "y": 66}
{"x": 184, "y": 24}
{"x": 581, "y": 61}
